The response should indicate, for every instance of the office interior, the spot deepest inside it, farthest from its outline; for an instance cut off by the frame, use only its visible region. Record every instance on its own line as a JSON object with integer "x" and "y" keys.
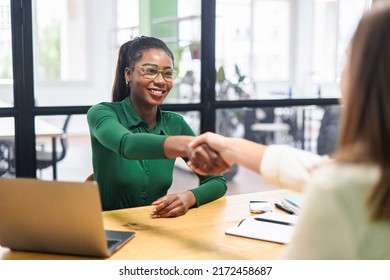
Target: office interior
{"x": 264, "y": 70}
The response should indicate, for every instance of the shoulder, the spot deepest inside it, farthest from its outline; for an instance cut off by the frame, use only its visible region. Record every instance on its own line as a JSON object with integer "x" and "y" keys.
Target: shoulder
{"x": 175, "y": 124}
{"x": 104, "y": 108}
{"x": 171, "y": 116}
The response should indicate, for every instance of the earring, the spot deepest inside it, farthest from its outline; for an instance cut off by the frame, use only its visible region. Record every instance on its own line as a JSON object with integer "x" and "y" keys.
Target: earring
{"x": 128, "y": 83}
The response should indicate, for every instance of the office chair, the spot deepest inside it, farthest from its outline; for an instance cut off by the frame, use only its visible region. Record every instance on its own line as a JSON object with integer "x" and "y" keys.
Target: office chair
{"x": 7, "y": 163}
{"x": 329, "y": 130}
{"x": 45, "y": 157}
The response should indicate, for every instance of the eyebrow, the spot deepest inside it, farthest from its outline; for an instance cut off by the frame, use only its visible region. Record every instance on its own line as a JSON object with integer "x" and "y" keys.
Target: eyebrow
{"x": 151, "y": 64}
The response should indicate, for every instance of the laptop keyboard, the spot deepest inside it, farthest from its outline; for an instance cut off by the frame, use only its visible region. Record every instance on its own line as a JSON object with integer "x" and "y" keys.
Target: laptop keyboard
{"x": 112, "y": 242}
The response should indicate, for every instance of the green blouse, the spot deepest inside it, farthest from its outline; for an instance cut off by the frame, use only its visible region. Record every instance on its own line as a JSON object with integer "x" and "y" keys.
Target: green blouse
{"x": 128, "y": 158}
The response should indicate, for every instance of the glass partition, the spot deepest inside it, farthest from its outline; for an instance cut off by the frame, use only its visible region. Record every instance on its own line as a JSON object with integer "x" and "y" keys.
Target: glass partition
{"x": 282, "y": 49}
{"x": 63, "y": 148}
{"x": 6, "y": 69}
{"x": 313, "y": 128}
{"x": 178, "y": 25}
{"x": 7, "y": 147}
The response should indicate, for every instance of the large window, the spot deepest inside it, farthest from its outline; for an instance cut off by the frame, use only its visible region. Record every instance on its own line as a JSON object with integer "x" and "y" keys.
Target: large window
{"x": 334, "y": 23}
{"x": 255, "y": 45}
{"x": 6, "y": 75}
{"x": 7, "y": 124}
{"x": 272, "y": 59}
{"x": 5, "y": 41}
{"x": 60, "y": 40}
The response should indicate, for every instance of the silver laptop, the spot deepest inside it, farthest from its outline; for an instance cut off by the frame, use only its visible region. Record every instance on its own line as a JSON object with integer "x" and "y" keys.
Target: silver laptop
{"x": 55, "y": 217}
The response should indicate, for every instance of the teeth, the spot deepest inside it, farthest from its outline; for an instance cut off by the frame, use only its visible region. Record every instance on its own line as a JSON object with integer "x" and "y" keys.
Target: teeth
{"x": 156, "y": 91}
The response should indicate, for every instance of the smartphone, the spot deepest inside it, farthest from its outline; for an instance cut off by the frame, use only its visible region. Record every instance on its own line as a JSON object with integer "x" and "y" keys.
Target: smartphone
{"x": 259, "y": 206}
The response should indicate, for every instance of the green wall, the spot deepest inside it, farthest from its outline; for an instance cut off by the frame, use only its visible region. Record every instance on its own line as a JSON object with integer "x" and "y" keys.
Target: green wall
{"x": 158, "y": 9}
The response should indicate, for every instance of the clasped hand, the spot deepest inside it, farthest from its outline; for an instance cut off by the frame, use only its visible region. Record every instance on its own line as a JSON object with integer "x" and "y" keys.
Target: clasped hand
{"x": 205, "y": 159}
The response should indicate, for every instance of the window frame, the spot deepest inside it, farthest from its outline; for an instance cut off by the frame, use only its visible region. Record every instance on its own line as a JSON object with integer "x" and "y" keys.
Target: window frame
{"x": 24, "y": 110}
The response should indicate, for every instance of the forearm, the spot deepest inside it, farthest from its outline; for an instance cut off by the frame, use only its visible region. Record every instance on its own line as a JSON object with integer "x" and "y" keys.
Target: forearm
{"x": 232, "y": 150}
{"x": 176, "y": 146}
{"x": 150, "y": 146}
{"x": 244, "y": 152}
{"x": 211, "y": 188}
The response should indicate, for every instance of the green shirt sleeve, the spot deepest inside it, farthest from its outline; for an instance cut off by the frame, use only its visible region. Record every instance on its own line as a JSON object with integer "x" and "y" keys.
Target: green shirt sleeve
{"x": 105, "y": 125}
{"x": 210, "y": 188}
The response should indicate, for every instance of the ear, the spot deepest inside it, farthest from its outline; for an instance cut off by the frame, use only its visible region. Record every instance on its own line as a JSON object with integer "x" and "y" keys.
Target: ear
{"x": 127, "y": 74}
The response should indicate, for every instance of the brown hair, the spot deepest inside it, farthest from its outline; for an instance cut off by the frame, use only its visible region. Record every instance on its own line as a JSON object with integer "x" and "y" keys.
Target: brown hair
{"x": 365, "y": 126}
{"x": 129, "y": 53}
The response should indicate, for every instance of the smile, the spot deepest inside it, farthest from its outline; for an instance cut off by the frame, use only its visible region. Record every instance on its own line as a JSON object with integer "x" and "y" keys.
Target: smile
{"x": 154, "y": 91}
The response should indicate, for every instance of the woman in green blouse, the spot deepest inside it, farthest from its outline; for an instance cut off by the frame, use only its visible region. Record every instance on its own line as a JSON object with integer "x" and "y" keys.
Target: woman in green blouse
{"x": 135, "y": 143}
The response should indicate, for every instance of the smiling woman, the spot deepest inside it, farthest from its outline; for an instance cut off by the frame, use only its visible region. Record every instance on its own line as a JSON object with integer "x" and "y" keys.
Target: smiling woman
{"x": 135, "y": 143}
{"x": 146, "y": 76}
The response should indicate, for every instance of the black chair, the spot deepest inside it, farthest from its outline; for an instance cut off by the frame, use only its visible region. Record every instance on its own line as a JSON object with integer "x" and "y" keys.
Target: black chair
{"x": 329, "y": 130}
{"x": 45, "y": 156}
{"x": 7, "y": 163}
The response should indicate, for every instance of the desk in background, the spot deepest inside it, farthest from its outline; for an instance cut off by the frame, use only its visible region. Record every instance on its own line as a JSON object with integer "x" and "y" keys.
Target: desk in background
{"x": 275, "y": 133}
{"x": 198, "y": 235}
{"x": 42, "y": 129}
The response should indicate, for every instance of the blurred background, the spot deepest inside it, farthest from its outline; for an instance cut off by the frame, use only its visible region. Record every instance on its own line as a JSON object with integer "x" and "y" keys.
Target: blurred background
{"x": 264, "y": 70}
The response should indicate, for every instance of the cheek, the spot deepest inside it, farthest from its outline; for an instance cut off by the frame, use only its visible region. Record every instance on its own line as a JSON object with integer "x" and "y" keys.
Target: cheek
{"x": 138, "y": 83}
{"x": 169, "y": 87}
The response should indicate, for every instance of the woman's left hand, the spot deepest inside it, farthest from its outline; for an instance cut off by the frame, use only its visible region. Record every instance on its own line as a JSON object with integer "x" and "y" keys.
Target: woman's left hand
{"x": 173, "y": 205}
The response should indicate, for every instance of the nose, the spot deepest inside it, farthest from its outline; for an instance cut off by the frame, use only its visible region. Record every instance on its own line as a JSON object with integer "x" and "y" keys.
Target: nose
{"x": 159, "y": 78}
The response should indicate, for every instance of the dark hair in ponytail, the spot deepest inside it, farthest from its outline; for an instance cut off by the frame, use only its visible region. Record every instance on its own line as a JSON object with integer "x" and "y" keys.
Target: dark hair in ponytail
{"x": 129, "y": 53}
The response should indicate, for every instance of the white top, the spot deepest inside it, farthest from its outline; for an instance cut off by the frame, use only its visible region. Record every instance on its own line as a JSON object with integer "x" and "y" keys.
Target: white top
{"x": 335, "y": 221}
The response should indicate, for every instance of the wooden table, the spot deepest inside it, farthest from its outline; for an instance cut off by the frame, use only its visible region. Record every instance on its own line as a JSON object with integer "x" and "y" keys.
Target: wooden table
{"x": 198, "y": 235}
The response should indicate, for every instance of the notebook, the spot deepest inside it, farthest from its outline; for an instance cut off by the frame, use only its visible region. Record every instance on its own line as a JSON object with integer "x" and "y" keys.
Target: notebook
{"x": 270, "y": 226}
{"x": 55, "y": 217}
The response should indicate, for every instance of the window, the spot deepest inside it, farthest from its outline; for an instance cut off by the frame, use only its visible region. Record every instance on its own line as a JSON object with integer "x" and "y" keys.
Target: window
{"x": 334, "y": 23}
{"x": 127, "y": 20}
{"x": 5, "y": 42}
{"x": 254, "y": 49}
{"x": 265, "y": 50}
{"x": 60, "y": 40}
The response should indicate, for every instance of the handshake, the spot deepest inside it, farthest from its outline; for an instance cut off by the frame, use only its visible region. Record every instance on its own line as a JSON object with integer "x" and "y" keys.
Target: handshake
{"x": 210, "y": 154}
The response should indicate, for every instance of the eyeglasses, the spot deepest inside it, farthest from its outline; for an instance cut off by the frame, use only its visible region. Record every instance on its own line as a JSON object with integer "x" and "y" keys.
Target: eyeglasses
{"x": 151, "y": 72}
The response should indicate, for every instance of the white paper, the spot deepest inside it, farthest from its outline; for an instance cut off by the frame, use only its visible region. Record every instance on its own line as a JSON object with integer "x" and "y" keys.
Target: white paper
{"x": 268, "y": 231}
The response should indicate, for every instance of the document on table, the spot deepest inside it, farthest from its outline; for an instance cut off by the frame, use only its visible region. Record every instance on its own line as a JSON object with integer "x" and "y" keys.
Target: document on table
{"x": 270, "y": 226}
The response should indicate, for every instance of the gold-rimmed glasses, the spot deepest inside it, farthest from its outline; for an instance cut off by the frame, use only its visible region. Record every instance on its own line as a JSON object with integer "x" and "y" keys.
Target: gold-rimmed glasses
{"x": 152, "y": 71}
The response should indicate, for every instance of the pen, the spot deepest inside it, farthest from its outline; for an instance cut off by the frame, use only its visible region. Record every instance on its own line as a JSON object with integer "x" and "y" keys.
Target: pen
{"x": 272, "y": 221}
{"x": 285, "y": 209}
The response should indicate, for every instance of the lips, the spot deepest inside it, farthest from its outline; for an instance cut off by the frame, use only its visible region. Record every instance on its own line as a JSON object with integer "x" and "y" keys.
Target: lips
{"x": 156, "y": 91}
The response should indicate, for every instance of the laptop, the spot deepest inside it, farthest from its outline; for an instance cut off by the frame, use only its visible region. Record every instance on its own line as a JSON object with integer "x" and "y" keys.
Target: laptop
{"x": 55, "y": 217}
